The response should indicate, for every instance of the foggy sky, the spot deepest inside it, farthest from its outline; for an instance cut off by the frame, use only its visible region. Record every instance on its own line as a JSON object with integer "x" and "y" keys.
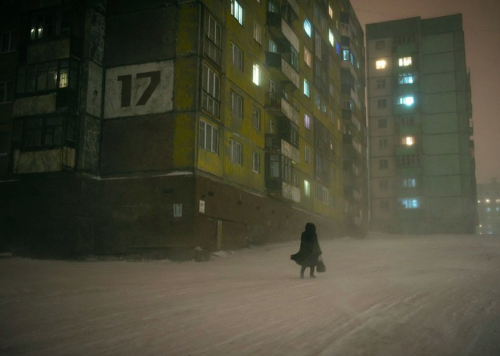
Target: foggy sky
{"x": 482, "y": 44}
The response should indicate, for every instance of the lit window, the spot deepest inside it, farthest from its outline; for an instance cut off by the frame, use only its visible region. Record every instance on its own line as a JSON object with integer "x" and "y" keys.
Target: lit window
{"x": 256, "y": 74}
{"x": 256, "y": 162}
{"x": 235, "y": 152}
{"x": 307, "y": 27}
{"x": 273, "y": 47}
{"x": 330, "y": 11}
{"x": 408, "y": 140}
{"x": 237, "y": 11}
{"x": 330, "y": 37}
{"x": 307, "y": 57}
{"x": 307, "y": 122}
{"x": 487, "y": 201}
{"x": 345, "y": 54}
{"x": 409, "y": 203}
{"x": 406, "y": 78}
{"x": 405, "y": 61}
{"x": 307, "y": 188}
{"x": 479, "y": 201}
{"x": 63, "y": 79}
{"x": 381, "y": 64}
{"x": 306, "y": 88}
{"x": 209, "y": 137}
{"x": 405, "y": 100}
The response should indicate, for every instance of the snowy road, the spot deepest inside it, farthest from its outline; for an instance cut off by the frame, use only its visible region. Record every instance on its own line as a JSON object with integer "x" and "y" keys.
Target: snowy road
{"x": 382, "y": 296}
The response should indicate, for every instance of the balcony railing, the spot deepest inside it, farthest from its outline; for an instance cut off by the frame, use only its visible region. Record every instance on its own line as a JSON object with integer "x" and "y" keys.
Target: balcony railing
{"x": 279, "y": 106}
{"x": 290, "y": 192}
{"x": 285, "y": 70}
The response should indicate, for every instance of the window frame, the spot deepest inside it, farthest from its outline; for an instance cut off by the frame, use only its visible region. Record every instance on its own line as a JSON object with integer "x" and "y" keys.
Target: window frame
{"x": 237, "y": 11}
{"x": 235, "y": 152}
{"x": 214, "y": 137}
{"x": 236, "y": 104}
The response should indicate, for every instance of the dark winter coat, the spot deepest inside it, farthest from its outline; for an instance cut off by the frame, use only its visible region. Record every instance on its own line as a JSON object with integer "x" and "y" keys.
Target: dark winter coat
{"x": 309, "y": 248}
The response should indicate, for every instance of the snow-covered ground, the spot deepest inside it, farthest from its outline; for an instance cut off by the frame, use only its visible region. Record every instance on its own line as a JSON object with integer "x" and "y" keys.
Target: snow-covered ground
{"x": 382, "y": 296}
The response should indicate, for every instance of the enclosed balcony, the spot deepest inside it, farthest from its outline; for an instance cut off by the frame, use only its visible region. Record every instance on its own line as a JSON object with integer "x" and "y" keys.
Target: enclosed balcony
{"x": 276, "y": 144}
{"x": 281, "y": 69}
{"x": 280, "y": 30}
{"x": 278, "y": 106}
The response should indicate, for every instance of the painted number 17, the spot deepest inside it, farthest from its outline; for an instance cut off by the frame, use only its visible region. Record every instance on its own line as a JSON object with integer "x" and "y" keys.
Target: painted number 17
{"x": 127, "y": 87}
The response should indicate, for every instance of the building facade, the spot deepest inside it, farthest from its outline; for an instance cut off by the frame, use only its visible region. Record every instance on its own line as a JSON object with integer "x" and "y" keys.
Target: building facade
{"x": 488, "y": 207}
{"x": 129, "y": 125}
{"x": 422, "y": 168}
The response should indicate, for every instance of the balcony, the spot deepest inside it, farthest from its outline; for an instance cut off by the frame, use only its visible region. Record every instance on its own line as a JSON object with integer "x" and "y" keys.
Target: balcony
{"x": 278, "y": 106}
{"x": 277, "y": 145}
{"x": 290, "y": 192}
{"x": 346, "y": 114}
{"x": 280, "y": 68}
{"x": 280, "y": 30}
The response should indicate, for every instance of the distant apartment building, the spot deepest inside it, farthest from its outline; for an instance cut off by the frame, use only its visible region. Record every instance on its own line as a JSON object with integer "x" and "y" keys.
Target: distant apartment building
{"x": 488, "y": 207}
{"x": 422, "y": 168}
{"x": 148, "y": 124}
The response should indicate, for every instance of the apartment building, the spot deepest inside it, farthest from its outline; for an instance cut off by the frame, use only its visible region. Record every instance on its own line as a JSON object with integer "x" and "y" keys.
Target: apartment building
{"x": 488, "y": 207}
{"x": 422, "y": 168}
{"x": 140, "y": 125}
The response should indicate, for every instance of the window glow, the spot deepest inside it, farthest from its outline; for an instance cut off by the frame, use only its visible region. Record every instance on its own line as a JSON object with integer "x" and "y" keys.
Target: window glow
{"x": 307, "y": 122}
{"x": 406, "y": 78}
{"x": 307, "y": 188}
{"x": 307, "y": 27}
{"x": 408, "y": 140}
{"x": 330, "y": 37}
{"x": 345, "y": 54}
{"x": 405, "y": 61}
{"x": 487, "y": 201}
{"x": 330, "y": 11}
{"x": 256, "y": 74}
{"x": 410, "y": 203}
{"x": 380, "y": 64}
{"x": 406, "y": 100}
{"x": 237, "y": 11}
{"x": 306, "y": 88}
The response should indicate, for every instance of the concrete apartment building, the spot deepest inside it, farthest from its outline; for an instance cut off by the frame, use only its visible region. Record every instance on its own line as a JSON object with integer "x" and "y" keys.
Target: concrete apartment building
{"x": 129, "y": 125}
{"x": 422, "y": 168}
{"x": 488, "y": 207}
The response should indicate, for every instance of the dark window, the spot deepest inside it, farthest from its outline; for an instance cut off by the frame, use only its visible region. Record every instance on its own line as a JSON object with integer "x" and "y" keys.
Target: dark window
{"x": 37, "y": 133}
{"x": 4, "y": 143}
{"x": 9, "y": 41}
{"x": 6, "y": 92}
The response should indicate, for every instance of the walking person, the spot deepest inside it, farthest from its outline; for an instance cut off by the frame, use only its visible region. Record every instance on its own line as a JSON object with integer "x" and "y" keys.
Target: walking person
{"x": 309, "y": 252}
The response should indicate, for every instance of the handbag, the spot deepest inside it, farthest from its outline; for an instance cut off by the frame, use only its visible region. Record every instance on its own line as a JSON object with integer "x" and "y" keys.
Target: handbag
{"x": 321, "y": 266}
